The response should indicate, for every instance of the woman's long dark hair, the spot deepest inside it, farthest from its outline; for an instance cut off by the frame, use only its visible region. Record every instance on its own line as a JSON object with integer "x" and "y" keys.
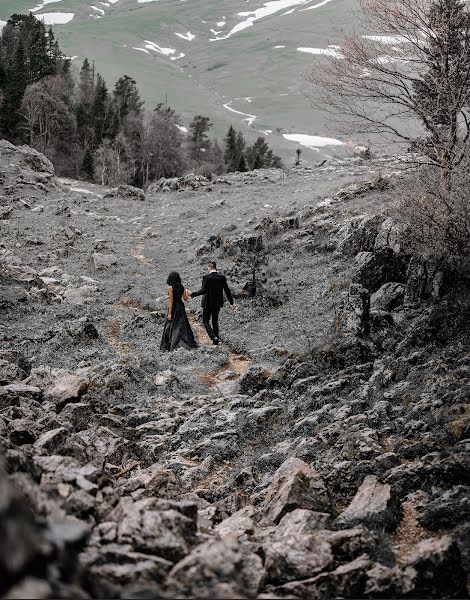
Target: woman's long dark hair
{"x": 174, "y": 279}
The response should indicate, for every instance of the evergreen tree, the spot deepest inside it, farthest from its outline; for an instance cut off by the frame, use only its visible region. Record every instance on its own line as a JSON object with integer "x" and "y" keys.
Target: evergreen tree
{"x": 88, "y": 165}
{"x": 258, "y": 162}
{"x": 242, "y": 164}
{"x": 198, "y": 138}
{"x": 230, "y": 154}
{"x": 101, "y": 112}
{"x": 126, "y": 99}
{"x": 84, "y": 110}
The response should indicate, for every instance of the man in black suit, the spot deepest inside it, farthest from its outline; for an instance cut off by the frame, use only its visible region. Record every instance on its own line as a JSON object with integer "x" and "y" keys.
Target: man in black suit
{"x": 214, "y": 284}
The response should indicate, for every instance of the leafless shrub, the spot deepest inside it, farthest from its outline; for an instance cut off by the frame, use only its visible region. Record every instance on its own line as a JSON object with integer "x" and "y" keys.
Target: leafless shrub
{"x": 436, "y": 220}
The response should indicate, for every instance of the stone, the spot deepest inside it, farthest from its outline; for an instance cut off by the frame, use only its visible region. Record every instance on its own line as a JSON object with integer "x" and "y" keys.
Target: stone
{"x": 293, "y": 557}
{"x": 68, "y": 388}
{"x": 377, "y": 268}
{"x": 373, "y": 505}
{"x": 79, "y": 415}
{"x": 165, "y": 533}
{"x": 354, "y": 313}
{"x": 103, "y": 261}
{"x": 295, "y": 485}
{"x": 30, "y": 587}
{"x": 359, "y": 235}
{"x": 22, "y": 431}
{"x": 302, "y": 522}
{"x": 82, "y": 295}
{"x": 446, "y": 509}
{"x": 346, "y": 581}
{"x": 51, "y": 441}
{"x": 388, "y": 297}
{"x": 240, "y": 523}
{"x": 218, "y": 569}
{"x": 127, "y": 192}
{"x": 431, "y": 569}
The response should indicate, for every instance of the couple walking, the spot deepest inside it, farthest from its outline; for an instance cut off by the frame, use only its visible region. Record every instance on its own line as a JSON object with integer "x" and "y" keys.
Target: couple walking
{"x": 178, "y": 332}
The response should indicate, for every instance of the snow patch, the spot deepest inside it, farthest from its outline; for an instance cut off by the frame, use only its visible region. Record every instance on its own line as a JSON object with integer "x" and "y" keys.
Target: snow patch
{"x": 181, "y": 128}
{"x": 42, "y": 5}
{"x": 100, "y": 10}
{"x": 250, "y": 118}
{"x": 278, "y": 47}
{"x": 2, "y": 24}
{"x": 156, "y": 48}
{"x": 140, "y": 49}
{"x": 56, "y": 18}
{"x": 316, "y": 5}
{"x": 386, "y": 39}
{"x": 268, "y": 9}
{"x": 311, "y": 141}
{"x": 331, "y": 51}
{"x": 186, "y": 36}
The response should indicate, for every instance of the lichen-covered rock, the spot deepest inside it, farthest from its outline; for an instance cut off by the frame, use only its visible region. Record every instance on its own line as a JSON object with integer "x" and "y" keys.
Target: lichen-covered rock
{"x": 127, "y": 192}
{"x": 218, "y": 569}
{"x": 374, "y": 505}
{"x": 295, "y": 485}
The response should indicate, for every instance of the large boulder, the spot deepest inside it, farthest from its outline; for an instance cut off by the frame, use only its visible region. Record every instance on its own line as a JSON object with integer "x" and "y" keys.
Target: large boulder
{"x": 376, "y": 268}
{"x": 218, "y": 569}
{"x": 295, "y": 485}
{"x": 388, "y": 297}
{"x": 24, "y": 167}
{"x": 359, "y": 235}
{"x": 374, "y": 506}
{"x": 126, "y": 192}
{"x": 67, "y": 389}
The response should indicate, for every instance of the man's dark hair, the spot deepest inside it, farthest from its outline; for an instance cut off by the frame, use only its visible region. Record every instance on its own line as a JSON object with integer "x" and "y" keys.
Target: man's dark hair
{"x": 173, "y": 278}
{"x": 212, "y": 264}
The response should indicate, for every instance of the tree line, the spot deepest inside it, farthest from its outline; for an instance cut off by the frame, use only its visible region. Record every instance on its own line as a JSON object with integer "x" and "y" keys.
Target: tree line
{"x": 103, "y": 135}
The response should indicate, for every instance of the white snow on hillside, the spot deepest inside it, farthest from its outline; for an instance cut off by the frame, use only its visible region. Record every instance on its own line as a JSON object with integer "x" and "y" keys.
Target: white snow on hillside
{"x": 316, "y": 5}
{"x": 250, "y": 118}
{"x": 311, "y": 141}
{"x": 181, "y": 128}
{"x": 56, "y": 18}
{"x": 331, "y": 51}
{"x": 142, "y": 50}
{"x": 156, "y": 48}
{"x": 100, "y": 10}
{"x": 42, "y": 5}
{"x": 269, "y": 8}
{"x": 186, "y": 36}
{"x": 279, "y": 47}
{"x": 387, "y": 39}
{"x": 2, "y": 24}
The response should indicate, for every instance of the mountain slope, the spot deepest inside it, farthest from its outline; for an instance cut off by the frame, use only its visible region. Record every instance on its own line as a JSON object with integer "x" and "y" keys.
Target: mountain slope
{"x": 236, "y": 61}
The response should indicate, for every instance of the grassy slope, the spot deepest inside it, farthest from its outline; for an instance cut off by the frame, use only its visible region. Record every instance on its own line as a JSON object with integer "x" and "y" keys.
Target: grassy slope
{"x": 250, "y": 66}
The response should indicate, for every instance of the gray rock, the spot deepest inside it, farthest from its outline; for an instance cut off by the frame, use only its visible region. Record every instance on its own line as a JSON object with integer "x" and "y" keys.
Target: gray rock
{"x": 295, "y": 485}
{"x": 67, "y": 389}
{"x": 240, "y": 523}
{"x": 374, "y": 505}
{"x": 218, "y": 569}
{"x": 431, "y": 569}
{"x": 301, "y": 522}
{"x": 127, "y": 192}
{"x": 388, "y": 297}
{"x": 294, "y": 557}
{"x": 104, "y": 261}
{"x": 52, "y": 441}
{"x": 446, "y": 509}
{"x": 359, "y": 235}
{"x": 377, "y": 268}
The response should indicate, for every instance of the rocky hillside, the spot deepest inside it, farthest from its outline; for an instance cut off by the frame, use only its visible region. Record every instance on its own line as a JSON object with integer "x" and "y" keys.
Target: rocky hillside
{"x": 321, "y": 451}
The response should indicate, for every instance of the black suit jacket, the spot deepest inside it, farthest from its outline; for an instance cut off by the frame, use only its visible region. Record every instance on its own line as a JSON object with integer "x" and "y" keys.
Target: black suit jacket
{"x": 212, "y": 291}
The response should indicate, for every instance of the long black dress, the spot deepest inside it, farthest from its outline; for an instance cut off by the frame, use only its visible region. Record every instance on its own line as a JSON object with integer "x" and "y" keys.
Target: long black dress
{"x": 178, "y": 332}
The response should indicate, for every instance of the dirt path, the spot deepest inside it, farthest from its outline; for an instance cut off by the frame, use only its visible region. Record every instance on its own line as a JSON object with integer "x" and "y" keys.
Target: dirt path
{"x": 234, "y": 369}
{"x": 138, "y": 248}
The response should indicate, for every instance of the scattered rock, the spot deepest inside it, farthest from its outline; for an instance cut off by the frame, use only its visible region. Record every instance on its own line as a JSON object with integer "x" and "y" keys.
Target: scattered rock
{"x": 128, "y": 192}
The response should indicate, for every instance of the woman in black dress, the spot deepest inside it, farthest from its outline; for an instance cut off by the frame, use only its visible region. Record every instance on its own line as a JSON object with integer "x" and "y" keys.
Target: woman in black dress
{"x": 177, "y": 332}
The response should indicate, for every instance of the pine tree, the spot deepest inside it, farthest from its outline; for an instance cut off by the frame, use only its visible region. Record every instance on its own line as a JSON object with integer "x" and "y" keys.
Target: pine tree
{"x": 88, "y": 165}
{"x": 242, "y": 164}
{"x": 230, "y": 155}
{"x": 198, "y": 138}
{"x": 101, "y": 112}
{"x": 126, "y": 99}
{"x": 258, "y": 162}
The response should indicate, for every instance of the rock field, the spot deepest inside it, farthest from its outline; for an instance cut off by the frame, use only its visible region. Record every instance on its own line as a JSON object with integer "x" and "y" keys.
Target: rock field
{"x": 321, "y": 451}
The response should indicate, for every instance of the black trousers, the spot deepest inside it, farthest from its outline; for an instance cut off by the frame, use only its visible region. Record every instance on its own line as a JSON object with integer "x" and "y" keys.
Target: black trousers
{"x": 209, "y": 314}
